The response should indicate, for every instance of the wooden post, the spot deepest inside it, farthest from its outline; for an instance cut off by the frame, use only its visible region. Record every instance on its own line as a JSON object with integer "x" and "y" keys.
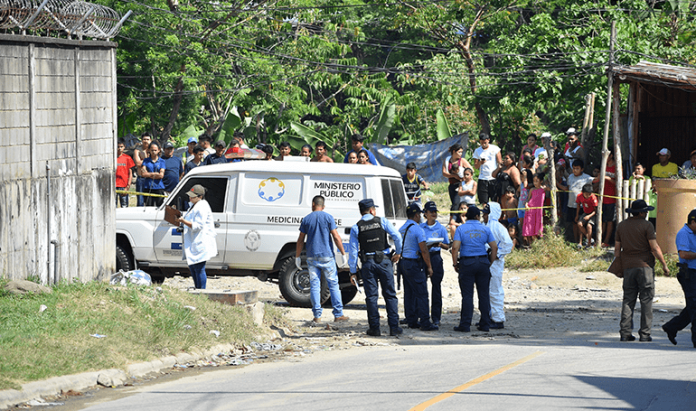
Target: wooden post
{"x": 587, "y": 125}
{"x": 546, "y": 141}
{"x": 618, "y": 157}
{"x": 607, "y": 120}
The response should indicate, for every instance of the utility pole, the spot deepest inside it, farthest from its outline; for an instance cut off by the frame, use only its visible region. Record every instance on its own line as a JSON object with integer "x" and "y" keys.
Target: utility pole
{"x": 605, "y": 139}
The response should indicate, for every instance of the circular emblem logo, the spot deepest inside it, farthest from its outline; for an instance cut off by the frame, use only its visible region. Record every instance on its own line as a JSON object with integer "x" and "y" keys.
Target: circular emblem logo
{"x": 271, "y": 189}
{"x": 252, "y": 240}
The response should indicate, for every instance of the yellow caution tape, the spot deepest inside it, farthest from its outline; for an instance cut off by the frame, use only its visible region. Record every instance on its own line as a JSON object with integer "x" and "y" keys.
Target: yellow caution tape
{"x": 140, "y": 194}
{"x": 602, "y": 195}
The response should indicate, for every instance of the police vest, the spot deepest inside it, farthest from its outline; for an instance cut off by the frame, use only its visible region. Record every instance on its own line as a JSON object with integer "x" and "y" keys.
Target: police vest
{"x": 371, "y": 236}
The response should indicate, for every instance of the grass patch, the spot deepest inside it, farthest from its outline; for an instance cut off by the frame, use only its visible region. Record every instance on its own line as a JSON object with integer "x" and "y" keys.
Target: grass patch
{"x": 595, "y": 265}
{"x": 140, "y": 324}
{"x": 550, "y": 251}
{"x": 671, "y": 260}
{"x": 440, "y": 196}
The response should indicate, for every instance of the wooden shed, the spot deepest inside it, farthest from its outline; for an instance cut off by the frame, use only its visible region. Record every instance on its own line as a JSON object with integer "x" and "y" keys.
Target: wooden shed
{"x": 661, "y": 112}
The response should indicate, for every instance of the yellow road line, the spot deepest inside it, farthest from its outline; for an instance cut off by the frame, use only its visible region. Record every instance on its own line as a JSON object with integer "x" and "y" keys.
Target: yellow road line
{"x": 471, "y": 383}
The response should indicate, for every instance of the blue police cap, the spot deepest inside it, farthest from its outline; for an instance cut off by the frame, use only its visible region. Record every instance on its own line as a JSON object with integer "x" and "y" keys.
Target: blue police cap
{"x": 430, "y": 206}
{"x": 366, "y": 204}
{"x": 412, "y": 210}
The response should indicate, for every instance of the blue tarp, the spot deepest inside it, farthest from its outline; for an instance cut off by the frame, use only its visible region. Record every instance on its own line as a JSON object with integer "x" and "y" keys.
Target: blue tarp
{"x": 428, "y": 157}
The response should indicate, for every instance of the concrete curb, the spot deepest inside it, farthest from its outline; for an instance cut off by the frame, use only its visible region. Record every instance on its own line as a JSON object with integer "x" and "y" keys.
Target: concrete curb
{"x": 83, "y": 381}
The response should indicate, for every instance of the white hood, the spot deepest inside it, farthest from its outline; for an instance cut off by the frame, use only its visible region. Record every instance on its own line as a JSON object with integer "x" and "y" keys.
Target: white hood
{"x": 495, "y": 212}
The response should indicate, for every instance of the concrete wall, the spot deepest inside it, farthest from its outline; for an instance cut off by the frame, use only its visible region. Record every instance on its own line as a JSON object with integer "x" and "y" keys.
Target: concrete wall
{"x": 57, "y": 109}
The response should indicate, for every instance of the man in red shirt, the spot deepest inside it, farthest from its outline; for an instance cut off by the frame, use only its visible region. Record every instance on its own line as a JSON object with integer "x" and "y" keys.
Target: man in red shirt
{"x": 608, "y": 200}
{"x": 124, "y": 164}
{"x": 585, "y": 220}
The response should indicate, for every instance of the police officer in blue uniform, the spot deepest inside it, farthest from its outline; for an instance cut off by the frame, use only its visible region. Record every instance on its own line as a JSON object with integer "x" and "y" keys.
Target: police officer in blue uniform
{"x": 368, "y": 242}
{"x": 433, "y": 229}
{"x": 686, "y": 246}
{"x": 473, "y": 266}
{"x": 416, "y": 269}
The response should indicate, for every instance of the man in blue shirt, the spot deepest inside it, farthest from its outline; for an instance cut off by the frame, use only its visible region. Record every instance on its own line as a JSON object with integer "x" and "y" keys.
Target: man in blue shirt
{"x": 686, "y": 246}
{"x": 413, "y": 258}
{"x": 218, "y": 157}
{"x": 473, "y": 266}
{"x": 152, "y": 170}
{"x": 320, "y": 227}
{"x": 435, "y": 231}
{"x": 368, "y": 241}
{"x": 356, "y": 141}
{"x": 174, "y": 168}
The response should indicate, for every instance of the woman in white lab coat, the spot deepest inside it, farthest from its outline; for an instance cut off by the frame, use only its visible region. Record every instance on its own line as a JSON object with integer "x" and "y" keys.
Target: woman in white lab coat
{"x": 199, "y": 235}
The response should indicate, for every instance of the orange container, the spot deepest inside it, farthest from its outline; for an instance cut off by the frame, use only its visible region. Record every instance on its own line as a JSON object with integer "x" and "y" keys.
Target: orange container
{"x": 675, "y": 199}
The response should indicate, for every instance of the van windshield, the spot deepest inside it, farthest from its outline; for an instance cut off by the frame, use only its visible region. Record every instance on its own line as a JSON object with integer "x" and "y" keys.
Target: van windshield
{"x": 394, "y": 197}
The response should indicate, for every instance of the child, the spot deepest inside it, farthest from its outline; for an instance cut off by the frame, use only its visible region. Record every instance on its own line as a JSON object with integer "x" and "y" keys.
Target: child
{"x": 509, "y": 203}
{"x": 533, "y": 222}
{"x": 412, "y": 182}
{"x": 585, "y": 220}
{"x": 595, "y": 175}
{"x": 526, "y": 181}
{"x": 467, "y": 190}
{"x": 575, "y": 182}
{"x": 514, "y": 233}
{"x": 457, "y": 219}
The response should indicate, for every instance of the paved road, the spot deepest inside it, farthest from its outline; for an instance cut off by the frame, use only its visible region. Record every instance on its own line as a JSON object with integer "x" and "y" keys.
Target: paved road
{"x": 473, "y": 374}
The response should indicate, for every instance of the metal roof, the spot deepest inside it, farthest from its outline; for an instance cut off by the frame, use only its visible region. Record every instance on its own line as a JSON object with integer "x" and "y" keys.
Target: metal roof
{"x": 655, "y": 73}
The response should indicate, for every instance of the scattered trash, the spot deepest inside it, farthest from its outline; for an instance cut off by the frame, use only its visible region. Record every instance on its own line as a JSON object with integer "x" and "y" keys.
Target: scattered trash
{"x": 265, "y": 346}
{"x": 190, "y": 308}
{"x": 514, "y": 278}
{"x": 187, "y": 327}
{"x": 656, "y": 299}
{"x": 215, "y": 332}
{"x": 590, "y": 277}
{"x": 136, "y": 277}
{"x": 662, "y": 310}
{"x": 42, "y": 308}
{"x": 158, "y": 289}
{"x": 97, "y": 335}
{"x": 42, "y": 403}
{"x": 179, "y": 366}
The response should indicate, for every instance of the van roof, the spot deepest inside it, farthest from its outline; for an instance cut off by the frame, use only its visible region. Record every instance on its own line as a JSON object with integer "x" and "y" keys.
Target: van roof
{"x": 296, "y": 168}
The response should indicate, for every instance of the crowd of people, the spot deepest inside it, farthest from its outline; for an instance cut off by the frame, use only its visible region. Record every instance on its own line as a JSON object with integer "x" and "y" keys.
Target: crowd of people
{"x": 155, "y": 170}
{"x": 523, "y": 187}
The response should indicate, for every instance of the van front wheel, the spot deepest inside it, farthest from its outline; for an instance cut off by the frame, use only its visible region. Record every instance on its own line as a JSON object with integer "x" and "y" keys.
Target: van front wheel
{"x": 294, "y": 284}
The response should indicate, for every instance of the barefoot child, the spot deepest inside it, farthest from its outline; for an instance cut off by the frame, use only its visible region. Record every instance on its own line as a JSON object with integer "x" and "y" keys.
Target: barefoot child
{"x": 509, "y": 204}
{"x": 588, "y": 217}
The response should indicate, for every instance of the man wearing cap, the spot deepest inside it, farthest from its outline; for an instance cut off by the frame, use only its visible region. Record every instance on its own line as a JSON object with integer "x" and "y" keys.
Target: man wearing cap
{"x": 686, "y": 246}
{"x": 218, "y": 157}
{"x": 368, "y": 241}
{"x": 174, "y": 168}
{"x": 199, "y": 235}
{"x": 356, "y": 141}
{"x": 414, "y": 259}
{"x": 412, "y": 182}
{"x": 487, "y": 157}
{"x": 437, "y": 239}
{"x": 190, "y": 145}
{"x": 319, "y": 227}
{"x": 665, "y": 168}
{"x": 473, "y": 266}
{"x": 574, "y": 150}
{"x": 491, "y": 216}
{"x": 636, "y": 248}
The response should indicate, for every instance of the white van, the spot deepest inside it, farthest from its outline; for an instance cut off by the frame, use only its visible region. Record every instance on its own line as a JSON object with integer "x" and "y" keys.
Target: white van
{"x": 257, "y": 207}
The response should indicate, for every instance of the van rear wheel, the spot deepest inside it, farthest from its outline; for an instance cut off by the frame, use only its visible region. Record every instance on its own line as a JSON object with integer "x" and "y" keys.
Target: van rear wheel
{"x": 123, "y": 260}
{"x": 348, "y": 294}
{"x": 294, "y": 284}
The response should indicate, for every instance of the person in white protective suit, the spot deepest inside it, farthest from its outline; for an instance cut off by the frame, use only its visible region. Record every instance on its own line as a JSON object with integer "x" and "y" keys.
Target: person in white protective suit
{"x": 491, "y": 214}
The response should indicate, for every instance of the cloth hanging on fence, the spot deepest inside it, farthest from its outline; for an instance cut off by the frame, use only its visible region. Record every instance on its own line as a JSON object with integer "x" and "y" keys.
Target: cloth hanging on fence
{"x": 428, "y": 157}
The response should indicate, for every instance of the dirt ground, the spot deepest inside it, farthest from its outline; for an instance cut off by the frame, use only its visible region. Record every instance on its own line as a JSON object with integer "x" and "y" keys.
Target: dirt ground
{"x": 543, "y": 304}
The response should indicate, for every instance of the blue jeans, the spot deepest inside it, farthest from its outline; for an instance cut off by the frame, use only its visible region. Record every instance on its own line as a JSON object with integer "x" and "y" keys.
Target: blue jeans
{"x": 198, "y": 274}
{"x": 327, "y": 266}
{"x": 416, "y": 307}
{"x": 122, "y": 198}
{"x": 139, "y": 188}
{"x": 382, "y": 273}
{"x": 436, "y": 281}
{"x": 475, "y": 270}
